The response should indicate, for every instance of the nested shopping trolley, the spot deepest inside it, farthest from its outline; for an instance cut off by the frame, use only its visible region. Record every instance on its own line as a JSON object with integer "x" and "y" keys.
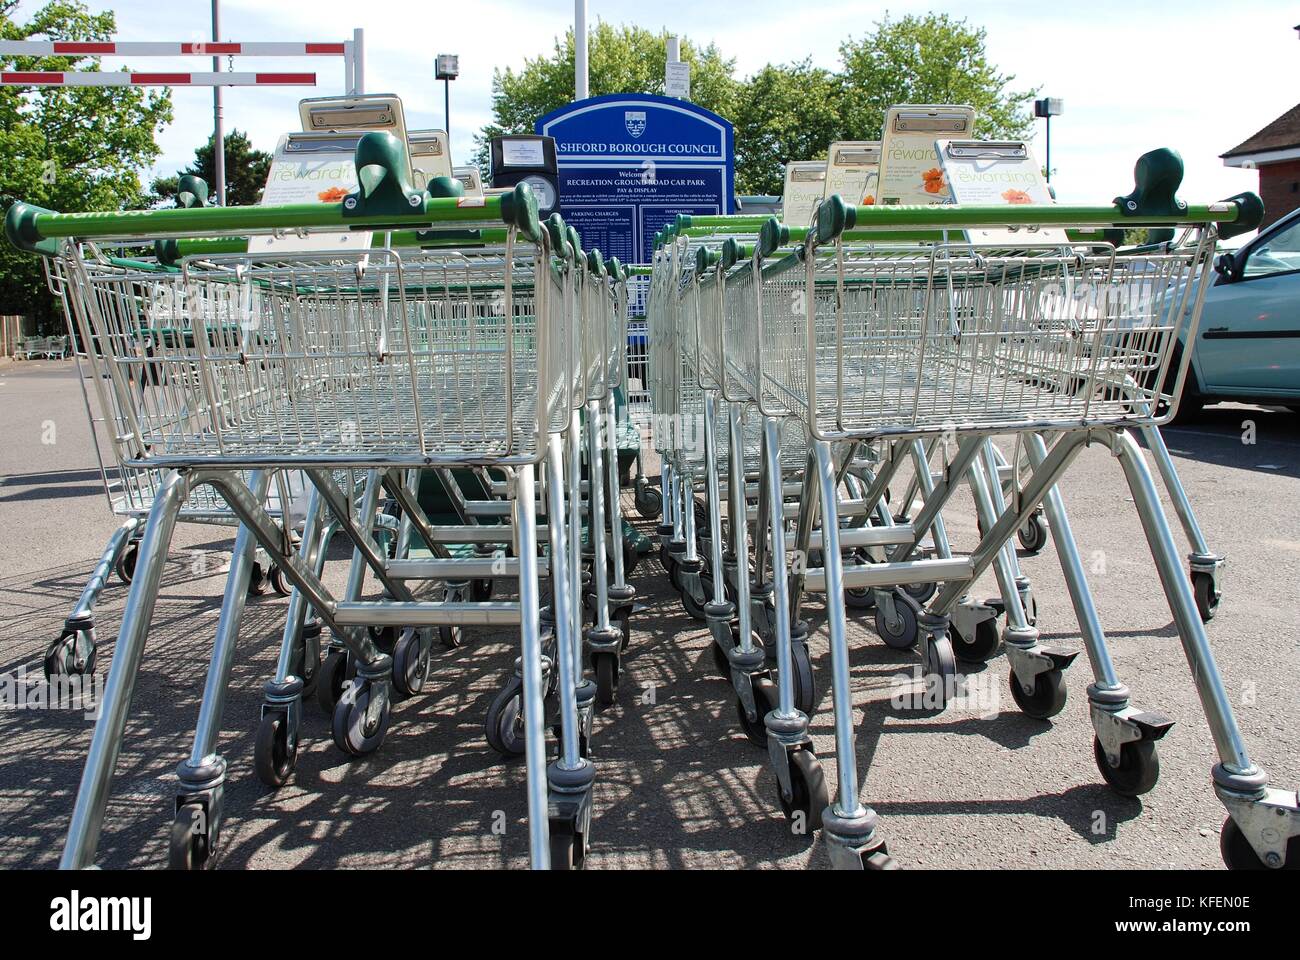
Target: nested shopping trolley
{"x": 322, "y": 363}
{"x": 130, "y": 490}
{"x": 1068, "y": 342}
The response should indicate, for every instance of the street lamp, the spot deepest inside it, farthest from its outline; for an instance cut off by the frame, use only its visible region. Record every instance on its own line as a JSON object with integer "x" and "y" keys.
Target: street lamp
{"x": 1047, "y": 108}
{"x": 447, "y": 68}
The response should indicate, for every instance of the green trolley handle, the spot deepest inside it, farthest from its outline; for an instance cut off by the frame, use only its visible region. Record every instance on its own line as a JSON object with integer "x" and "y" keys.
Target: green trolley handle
{"x": 382, "y": 201}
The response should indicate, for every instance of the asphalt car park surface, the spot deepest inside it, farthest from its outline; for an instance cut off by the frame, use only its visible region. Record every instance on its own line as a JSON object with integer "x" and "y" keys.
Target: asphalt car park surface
{"x": 979, "y": 785}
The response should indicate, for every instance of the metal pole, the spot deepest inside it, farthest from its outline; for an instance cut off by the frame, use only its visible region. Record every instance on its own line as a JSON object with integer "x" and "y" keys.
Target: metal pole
{"x": 218, "y": 135}
{"x": 1049, "y": 148}
{"x": 446, "y": 106}
{"x": 580, "y": 89}
{"x": 359, "y": 60}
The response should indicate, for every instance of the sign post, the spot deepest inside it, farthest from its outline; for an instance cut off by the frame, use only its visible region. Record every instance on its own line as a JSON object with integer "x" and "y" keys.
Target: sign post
{"x": 629, "y": 163}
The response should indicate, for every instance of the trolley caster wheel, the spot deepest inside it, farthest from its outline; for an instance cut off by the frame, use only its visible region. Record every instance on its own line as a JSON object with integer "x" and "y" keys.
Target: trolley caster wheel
{"x": 624, "y": 626}
{"x": 188, "y": 846}
{"x": 1033, "y": 535}
{"x": 504, "y": 726}
{"x": 1238, "y": 854}
{"x": 607, "y": 671}
{"x": 333, "y": 676}
{"x": 62, "y": 658}
{"x": 125, "y": 566}
{"x": 879, "y": 860}
{"x": 675, "y": 578}
{"x": 694, "y": 608}
{"x": 921, "y": 592}
{"x": 410, "y": 663}
{"x": 256, "y": 581}
{"x": 480, "y": 591}
{"x": 453, "y": 638}
{"x": 1207, "y": 598}
{"x": 809, "y": 796}
{"x": 1046, "y": 700}
{"x": 901, "y": 635}
{"x": 279, "y": 583}
{"x": 355, "y": 732}
{"x": 274, "y": 757}
{"x": 720, "y": 662}
{"x": 805, "y": 684}
{"x": 765, "y": 700}
{"x": 568, "y": 849}
{"x": 649, "y": 502}
{"x": 383, "y": 637}
{"x": 942, "y": 666}
{"x": 979, "y": 647}
{"x": 1138, "y": 770}
{"x": 860, "y": 598}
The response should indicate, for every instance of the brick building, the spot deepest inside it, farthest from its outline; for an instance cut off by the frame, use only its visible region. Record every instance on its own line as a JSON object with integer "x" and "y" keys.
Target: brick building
{"x": 1275, "y": 152}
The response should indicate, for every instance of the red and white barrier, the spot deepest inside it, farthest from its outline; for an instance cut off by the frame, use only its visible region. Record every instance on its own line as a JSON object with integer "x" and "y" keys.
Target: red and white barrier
{"x": 352, "y": 51}
{"x": 50, "y": 78}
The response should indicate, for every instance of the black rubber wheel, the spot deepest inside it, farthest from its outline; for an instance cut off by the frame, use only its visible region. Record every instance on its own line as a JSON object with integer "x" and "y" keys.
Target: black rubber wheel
{"x": 273, "y": 759}
{"x": 1138, "y": 770}
{"x": 1033, "y": 535}
{"x": 410, "y": 663}
{"x": 452, "y": 637}
{"x": 940, "y": 667}
{"x": 649, "y": 502}
{"x": 256, "y": 580}
{"x": 978, "y": 648}
{"x": 720, "y": 662}
{"x": 903, "y": 634}
{"x": 921, "y": 592}
{"x": 810, "y": 796}
{"x": 675, "y": 577}
{"x": 695, "y": 608}
{"x": 353, "y": 733}
{"x": 61, "y": 657}
{"x": 1207, "y": 598}
{"x": 805, "y": 684}
{"x": 860, "y": 598}
{"x": 125, "y": 566}
{"x": 504, "y": 725}
{"x": 1047, "y": 698}
{"x": 480, "y": 591}
{"x": 568, "y": 849}
{"x": 765, "y": 699}
{"x": 606, "y": 667}
{"x": 1238, "y": 854}
{"x": 333, "y": 675}
{"x": 279, "y": 583}
{"x": 383, "y": 637}
{"x": 187, "y": 848}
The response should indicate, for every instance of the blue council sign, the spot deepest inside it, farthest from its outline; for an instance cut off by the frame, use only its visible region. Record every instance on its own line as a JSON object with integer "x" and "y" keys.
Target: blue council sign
{"x": 629, "y": 163}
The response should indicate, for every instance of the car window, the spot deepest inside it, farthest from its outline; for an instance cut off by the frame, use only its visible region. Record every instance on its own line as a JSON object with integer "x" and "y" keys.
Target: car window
{"x": 1276, "y": 254}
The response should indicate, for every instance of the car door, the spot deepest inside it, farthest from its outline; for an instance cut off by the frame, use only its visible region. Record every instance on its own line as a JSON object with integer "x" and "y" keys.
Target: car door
{"x": 1249, "y": 339}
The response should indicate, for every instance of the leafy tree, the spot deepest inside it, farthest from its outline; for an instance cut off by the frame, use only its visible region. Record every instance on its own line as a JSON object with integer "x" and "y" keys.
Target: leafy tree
{"x": 67, "y": 148}
{"x": 928, "y": 59}
{"x": 784, "y": 113}
{"x": 623, "y": 59}
{"x": 246, "y": 171}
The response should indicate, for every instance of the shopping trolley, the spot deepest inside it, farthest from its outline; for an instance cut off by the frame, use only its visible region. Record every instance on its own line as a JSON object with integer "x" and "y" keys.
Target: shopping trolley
{"x": 342, "y": 361}
{"x": 129, "y": 490}
{"x": 995, "y": 341}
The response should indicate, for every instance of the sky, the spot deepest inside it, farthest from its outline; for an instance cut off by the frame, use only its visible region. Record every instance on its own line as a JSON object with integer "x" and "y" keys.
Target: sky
{"x": 1198, "y": 75}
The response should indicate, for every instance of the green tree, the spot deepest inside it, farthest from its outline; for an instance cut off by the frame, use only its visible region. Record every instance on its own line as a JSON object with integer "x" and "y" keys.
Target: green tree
{"x": 623, "y": 59}
{"x": 67, "y": 148}
{"x": 928, "y": 59}
{"x": 784, "y": 113}
{"x": 246, "y": 171}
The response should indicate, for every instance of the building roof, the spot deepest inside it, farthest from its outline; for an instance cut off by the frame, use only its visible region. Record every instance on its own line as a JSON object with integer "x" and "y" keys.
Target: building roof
{"x": 1282, "y": 134}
